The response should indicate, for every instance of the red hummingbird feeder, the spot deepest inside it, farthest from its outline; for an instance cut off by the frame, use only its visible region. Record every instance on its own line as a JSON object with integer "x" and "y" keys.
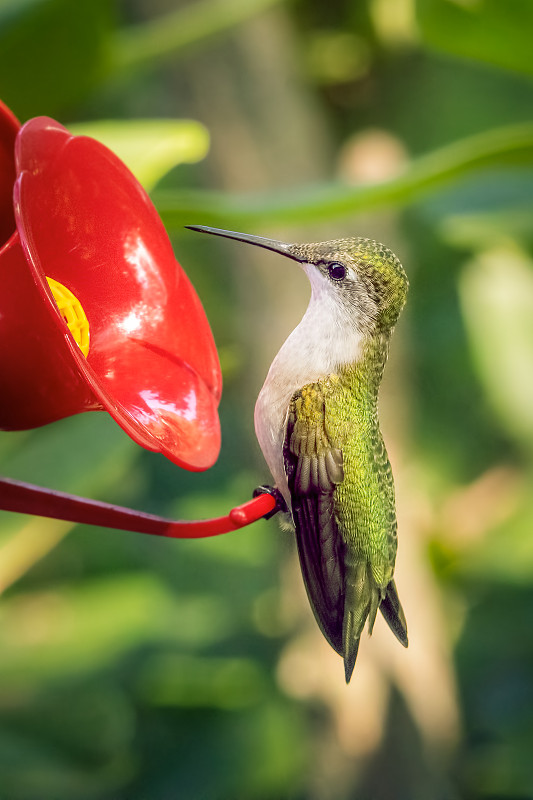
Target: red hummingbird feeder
{"x": 98, "y": 315}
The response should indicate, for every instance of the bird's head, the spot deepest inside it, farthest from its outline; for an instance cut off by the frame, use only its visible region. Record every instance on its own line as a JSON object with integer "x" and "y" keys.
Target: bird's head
{"x": 360, "y": 278}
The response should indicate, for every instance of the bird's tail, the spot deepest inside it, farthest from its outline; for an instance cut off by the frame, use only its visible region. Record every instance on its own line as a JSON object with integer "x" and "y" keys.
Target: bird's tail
{"x": 361, "y": 602}
{"x": 392, "y": 610}
{"x": 363, "y": 597}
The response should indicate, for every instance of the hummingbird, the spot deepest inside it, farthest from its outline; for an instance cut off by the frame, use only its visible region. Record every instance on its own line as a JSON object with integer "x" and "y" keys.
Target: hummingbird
{"x": 317, "y": 424}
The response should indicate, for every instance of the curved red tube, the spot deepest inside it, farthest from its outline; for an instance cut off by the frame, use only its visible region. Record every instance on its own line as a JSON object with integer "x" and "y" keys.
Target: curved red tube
{"x": 26, "y": 498}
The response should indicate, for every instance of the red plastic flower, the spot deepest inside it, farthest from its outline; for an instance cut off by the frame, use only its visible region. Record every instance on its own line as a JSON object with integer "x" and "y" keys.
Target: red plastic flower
{"x": 95, "y": 313}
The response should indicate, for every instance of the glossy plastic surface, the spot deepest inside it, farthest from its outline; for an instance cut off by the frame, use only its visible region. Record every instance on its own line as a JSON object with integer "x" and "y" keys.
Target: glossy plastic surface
{"x": 29, "y": 499}
{"x": 83, "y": 220}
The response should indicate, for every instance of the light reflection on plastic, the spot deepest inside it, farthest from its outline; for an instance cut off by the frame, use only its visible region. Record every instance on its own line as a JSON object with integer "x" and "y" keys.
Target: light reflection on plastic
{"x": 146, "y": 269}
{"x": 186, "y": 410}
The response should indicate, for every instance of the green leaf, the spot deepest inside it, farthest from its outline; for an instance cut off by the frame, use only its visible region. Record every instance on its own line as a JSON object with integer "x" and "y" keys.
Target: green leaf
{"x": 496, "y": 292}
{"x": 92, "y": 623}
{"x": 477, "y": 231}
{"x": 151, "y": 147}
{"x": 52, "y": 52}
{"x": 492, "y": 31}
{"x": 170, "y": 33}
{"x": 508, "y": 146}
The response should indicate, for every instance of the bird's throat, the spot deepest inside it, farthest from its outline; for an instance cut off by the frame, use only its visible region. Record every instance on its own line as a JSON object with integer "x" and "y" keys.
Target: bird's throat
{"x": 312, "y": 353}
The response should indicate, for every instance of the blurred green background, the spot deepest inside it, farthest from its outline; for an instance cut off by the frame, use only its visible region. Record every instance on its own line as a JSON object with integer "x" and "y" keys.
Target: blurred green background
{"x": 147, "y": 670}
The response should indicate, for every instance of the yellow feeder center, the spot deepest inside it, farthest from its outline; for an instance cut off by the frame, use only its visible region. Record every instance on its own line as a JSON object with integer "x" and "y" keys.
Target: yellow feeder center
{"x": 72, "y": 312}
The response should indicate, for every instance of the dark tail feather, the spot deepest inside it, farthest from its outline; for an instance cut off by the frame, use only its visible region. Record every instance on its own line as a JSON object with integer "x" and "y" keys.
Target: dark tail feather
{"x": 350, "y": 657}
{"x": 392, "y": 610}
{"x": 360, "y": 604}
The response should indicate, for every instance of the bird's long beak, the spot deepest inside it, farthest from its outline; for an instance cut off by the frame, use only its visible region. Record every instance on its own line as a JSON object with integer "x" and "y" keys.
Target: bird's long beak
{"x": 260, "y": 241}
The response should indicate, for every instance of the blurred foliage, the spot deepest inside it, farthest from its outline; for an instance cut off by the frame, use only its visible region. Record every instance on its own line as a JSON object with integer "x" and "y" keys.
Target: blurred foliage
{"x": 497, "y": 33}
{"x": 509, "y": 145}
{"x": 164, "y": 36}
{"x": 52, "y": 52}
{"x": 150, "y": 148}
{"x": 137, "y": 668}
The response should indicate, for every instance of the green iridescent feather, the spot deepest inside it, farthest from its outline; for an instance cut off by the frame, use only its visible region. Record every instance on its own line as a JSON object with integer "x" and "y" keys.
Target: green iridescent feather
{"x": 344, "y": 514}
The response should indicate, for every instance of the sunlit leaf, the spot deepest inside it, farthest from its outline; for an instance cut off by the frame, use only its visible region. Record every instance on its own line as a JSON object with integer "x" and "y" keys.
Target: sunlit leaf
{"x": 503, "y": 147}
{"x": 476, "y": 231}
{"x": 152, "y": 147}
{"x": 496, "y": 292}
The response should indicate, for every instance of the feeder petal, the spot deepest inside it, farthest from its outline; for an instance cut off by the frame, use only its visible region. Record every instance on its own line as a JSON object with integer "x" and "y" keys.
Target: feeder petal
{"x": 88, "y": 230}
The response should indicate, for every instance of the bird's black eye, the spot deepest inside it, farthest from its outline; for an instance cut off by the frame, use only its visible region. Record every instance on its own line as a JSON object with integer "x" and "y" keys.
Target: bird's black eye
{"x": 337, "y": 272}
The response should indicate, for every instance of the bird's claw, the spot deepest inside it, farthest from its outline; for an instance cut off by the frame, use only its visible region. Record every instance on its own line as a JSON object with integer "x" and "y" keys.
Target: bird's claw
{"x": 281, "y": 505}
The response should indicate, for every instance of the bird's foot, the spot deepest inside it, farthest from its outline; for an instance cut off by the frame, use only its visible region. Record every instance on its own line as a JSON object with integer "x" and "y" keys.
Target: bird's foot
{"x": 281, "y": 505}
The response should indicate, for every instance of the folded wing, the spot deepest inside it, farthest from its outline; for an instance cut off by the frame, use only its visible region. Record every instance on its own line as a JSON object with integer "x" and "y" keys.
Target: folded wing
{"x": 314, "y": 469}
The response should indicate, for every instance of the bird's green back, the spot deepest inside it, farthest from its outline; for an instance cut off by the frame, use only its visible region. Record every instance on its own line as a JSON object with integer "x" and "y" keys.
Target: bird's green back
{"x": 364, "y": 501}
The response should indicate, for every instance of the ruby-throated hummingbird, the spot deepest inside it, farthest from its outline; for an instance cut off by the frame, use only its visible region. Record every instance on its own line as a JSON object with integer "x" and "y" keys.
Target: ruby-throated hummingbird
{"x": 317, "y": 424}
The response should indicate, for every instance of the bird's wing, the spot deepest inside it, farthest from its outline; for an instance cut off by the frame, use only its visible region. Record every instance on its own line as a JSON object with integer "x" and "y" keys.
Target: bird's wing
{"x": 314, "y": 468}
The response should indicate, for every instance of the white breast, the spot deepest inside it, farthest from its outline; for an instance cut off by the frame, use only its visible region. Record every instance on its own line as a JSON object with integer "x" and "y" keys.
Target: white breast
{"x": 325, "y": 339}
